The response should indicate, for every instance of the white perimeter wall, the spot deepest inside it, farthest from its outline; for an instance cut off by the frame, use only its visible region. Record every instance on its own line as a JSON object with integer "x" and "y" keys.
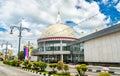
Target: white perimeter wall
{"x": 103, "y": 49}
{"x": 33, "y": 58}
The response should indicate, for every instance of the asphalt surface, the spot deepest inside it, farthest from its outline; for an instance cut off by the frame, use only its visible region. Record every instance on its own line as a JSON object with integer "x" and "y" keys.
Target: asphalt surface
{"x": 6, "y": 70}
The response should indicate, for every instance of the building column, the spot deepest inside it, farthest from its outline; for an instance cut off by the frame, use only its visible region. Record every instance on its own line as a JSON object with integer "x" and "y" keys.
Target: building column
{"x": 48, "y": 58}
{"x": 61, "y": 55}
{"x": 44, "y": 46}
{"x": 44, "y": 52}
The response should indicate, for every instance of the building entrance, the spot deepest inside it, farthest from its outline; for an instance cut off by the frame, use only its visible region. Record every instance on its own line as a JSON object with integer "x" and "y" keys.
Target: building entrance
{"x": 49, "y": 58}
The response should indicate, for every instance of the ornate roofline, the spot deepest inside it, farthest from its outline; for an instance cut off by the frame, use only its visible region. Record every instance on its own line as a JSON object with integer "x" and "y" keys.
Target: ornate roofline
{"x": 56, "y": 38}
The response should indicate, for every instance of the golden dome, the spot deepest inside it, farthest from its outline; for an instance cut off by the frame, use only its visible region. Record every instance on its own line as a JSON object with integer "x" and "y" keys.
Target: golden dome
{"x": 59, "y": 30}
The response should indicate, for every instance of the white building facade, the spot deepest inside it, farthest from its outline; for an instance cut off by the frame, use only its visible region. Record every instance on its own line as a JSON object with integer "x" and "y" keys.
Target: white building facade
{"x": 102, "y": 46}
{"x": 103, "y": 49}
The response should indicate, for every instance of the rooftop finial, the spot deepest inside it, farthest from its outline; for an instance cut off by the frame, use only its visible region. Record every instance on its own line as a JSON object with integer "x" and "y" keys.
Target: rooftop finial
{"x": 58, "y": 18}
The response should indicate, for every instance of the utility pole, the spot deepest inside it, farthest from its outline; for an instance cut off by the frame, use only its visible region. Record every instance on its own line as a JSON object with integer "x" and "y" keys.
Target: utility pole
{"x": 6, "y": 52}
{"x": 28, "y": 49}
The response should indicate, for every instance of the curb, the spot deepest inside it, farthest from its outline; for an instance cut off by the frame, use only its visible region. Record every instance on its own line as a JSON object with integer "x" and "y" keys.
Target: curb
{"x": 98, "y": 70}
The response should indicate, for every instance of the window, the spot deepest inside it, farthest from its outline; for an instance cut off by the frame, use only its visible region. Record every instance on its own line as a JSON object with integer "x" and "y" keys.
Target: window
{"x": 57, "y": 48}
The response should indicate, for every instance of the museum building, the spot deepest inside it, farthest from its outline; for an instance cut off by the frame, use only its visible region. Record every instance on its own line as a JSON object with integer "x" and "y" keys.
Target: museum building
{"x": 60, "y": 42}
{"x": 52, "y": 45}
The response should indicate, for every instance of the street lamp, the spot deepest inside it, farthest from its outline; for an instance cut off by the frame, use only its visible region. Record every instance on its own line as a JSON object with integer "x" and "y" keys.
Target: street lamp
{"x": 6, "y": 48}
{"x": 20, "y": 29}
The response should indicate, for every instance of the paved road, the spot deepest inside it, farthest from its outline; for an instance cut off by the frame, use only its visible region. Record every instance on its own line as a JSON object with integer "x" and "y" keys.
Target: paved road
{"x": 12, "y": 71}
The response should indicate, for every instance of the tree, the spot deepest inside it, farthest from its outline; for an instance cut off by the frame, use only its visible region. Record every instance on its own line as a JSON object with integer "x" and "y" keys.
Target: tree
{"x": 66, "y": 68}
{"x": 42, "y": 66}
{"x": 53, "y": 66}
{"x": 81, "y": 69}
{"x": 60, "y": 65}
{"x": 21, "y": 55}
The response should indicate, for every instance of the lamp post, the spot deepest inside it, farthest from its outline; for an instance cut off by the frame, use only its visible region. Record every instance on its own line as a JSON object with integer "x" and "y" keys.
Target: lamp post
{"x": 6, "y": 48}
{"x": 20, "y": 29}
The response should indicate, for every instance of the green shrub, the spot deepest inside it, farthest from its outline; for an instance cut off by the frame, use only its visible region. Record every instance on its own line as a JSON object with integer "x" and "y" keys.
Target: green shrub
{"x": 60, "y": 65}
{"x": 42, "y": 66}
{"x": 15, "y": 63}
{"x": 29, "y": 65}
{"x": 66, "y": 68}
{"x": 25, "y": 63}
{"x": 4, "y": 61}
{"x": 12, "y": 62}
{"x": 104, "y": 74}
{"x": 8, "y": 62}
{"x": 35, "y": 65}
{"x": 53, "y": 66}
{"x": 81, "y": 69}
{"x": 18, "y": 62}
{"x": 64, "y": 74}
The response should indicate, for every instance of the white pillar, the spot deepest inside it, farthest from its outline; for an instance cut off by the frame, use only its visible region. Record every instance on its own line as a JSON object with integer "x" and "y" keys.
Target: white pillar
{"x": 44, "y": 46}
{"x": 44, "y": 51}
{"x": 61, "y": 51}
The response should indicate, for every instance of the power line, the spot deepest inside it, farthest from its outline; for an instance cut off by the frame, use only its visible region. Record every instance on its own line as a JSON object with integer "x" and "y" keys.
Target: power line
{"x": 80, "y": 22}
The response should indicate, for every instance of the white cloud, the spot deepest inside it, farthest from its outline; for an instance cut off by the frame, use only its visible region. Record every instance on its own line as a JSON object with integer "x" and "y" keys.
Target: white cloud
{"x": 118, "y": 6}
{"x": 39, "y": 14}
{"x": 95, "y": 19}
{"x": 104, "y": 1}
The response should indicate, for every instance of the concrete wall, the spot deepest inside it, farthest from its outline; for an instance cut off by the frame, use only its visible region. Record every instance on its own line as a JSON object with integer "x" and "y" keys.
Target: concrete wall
{"x": 33, "y": 58}
{"x": 103, "y": 49}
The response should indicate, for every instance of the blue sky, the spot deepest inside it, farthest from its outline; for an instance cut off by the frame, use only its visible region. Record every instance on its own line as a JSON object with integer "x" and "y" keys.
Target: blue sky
{"x": 82, "y": 15}
{"x": 108, "y": 8}
{"x": 2, "y": 29}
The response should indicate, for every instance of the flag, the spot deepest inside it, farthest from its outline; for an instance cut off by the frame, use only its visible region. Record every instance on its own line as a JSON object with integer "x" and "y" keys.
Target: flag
{"x": 10, "y": 52}
{"x": 27, "y": 53}
{"x": 24, "y": 52}
{"x": 30, "y": 51}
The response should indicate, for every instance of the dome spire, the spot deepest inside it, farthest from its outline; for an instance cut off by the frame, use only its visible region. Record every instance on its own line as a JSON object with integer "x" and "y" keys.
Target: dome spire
{"x": 58, "y": 18}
